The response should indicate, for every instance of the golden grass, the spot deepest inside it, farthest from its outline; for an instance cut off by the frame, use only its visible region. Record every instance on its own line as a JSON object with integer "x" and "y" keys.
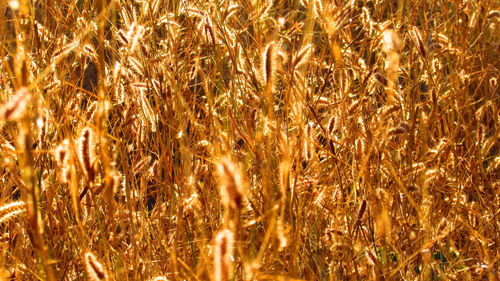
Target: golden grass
{"x": 249, "y": 140}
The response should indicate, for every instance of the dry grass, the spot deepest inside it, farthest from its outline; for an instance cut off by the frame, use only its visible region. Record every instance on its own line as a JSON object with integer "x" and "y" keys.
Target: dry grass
{"x": 249, "y": 140}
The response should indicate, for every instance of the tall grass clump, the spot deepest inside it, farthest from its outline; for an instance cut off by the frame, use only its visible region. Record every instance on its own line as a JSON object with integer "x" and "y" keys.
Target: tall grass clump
{"x": 249, "y": 140}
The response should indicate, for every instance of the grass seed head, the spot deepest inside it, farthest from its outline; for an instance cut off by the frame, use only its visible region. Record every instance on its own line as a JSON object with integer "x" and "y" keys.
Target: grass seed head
{"x": 86, "y": 153}
{"x": 12, "y": 209}
{"x": 269, "y": 64}
{"x": 95, "y": 270}
{"x": 232, "y": 185}
{"x": 223, "y": 255}
{"x": 16, "y": 107}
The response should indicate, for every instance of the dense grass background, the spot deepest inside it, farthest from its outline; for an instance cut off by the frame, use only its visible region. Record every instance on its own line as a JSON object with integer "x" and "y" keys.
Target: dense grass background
{"x": 249, "y": 140}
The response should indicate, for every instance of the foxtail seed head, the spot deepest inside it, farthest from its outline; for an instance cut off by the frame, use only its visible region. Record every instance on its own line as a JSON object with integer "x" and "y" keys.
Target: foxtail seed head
{"x": 86, "y": 153}
{"x": 95, "y": 270}
{"x": 231, "y": 185}
{"x": 222, "y": 259}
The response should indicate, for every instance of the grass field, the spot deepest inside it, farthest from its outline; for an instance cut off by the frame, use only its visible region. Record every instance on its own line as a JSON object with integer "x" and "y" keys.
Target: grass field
{"x": 278, "y": 140}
